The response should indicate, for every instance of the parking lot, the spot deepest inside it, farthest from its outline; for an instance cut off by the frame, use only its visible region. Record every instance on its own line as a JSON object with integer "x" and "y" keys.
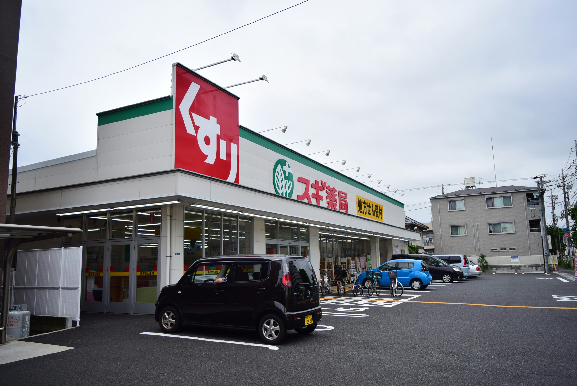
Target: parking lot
{"x": 497, "y": 329}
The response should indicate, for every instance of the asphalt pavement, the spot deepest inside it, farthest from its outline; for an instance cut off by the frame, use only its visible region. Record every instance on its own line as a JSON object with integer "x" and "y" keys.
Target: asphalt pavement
{"x": 506, "y": 329}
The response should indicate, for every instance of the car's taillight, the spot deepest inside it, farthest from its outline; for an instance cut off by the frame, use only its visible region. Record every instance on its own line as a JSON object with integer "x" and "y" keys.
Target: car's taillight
{"x": 286, "y": 280}
{"x": 478, "y": 269}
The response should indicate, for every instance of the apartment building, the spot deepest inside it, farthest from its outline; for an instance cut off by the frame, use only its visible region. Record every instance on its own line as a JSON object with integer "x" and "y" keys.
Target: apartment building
{"x": 496, "y": 221}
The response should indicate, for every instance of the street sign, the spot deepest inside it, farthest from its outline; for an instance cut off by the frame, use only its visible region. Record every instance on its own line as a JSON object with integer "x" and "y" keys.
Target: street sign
{"x": 566, "y": 235}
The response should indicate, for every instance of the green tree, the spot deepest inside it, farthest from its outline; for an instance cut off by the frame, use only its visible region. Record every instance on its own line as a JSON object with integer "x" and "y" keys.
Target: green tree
{"x": 557, "y": 246}
{"x": 413, "y": 249}
{"x": 573, "y": 215}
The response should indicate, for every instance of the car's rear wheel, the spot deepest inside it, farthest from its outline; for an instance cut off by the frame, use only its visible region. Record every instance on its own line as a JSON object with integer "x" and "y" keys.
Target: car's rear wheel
{"x": 306, "y": 330}
{"x": 416, "y": 284}
{"x": 271, "y": 329}
{"x": 169, "y": 320}
{"x": 447, "y": 278}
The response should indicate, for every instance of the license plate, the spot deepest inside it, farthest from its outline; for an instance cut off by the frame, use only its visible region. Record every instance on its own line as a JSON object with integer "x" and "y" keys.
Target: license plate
{"x": 308, "y": 320}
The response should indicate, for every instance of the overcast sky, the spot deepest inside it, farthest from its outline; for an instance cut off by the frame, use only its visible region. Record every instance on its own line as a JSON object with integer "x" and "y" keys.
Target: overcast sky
{"x": 409, "y": 91}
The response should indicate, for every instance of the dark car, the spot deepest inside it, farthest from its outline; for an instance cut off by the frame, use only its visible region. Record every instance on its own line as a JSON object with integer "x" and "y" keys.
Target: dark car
{"x": 437, "y": 267}
{"x": 269, "y": 293}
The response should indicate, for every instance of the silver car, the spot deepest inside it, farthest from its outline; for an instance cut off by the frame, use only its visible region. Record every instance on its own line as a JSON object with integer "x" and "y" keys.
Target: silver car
{"x": 474, "y": 269}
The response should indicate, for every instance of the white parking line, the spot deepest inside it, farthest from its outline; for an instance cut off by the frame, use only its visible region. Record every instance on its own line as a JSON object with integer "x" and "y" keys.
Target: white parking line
{"x": 210, "y": 340}
{"x": 567, "y": 298}
{"x": 563, "y": 280}
{"x": 347, "y": 315}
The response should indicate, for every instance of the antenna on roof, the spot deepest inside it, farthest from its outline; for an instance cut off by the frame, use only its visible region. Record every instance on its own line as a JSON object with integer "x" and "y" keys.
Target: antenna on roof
{"x": 494, "y": 169}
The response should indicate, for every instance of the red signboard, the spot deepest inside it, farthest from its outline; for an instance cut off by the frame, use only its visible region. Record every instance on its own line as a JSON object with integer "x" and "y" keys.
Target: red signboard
{"x": 205, "y": 126}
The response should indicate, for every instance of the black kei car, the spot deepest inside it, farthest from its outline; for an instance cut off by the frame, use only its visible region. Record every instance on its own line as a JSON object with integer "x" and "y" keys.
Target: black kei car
{"x": 438, "y": 269}
{"x": 269, "y": 293}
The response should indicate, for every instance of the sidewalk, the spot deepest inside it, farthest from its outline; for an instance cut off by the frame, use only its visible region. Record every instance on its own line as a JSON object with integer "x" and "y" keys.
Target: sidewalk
{"x": 566, "y": 273}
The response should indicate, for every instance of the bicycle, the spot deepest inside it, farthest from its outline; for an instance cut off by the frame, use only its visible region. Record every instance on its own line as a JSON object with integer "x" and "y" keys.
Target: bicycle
{"x": 396, "y": 288}
{"x": 341, "y": 285}
{"x": 357, "y": 288}
{"x": 324, "y": 284}
{"x": 373, "y": 283}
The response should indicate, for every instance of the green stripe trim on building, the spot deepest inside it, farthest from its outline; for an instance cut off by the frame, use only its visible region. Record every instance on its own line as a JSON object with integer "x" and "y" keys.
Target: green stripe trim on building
{"x": 286, "y": 152}
{"x": 134, "y": 111}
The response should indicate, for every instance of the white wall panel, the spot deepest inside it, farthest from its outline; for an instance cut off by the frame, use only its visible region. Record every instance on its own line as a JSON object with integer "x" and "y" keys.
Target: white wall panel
{"x": 157, "y": 186}
{"x": 73, "y": 178}
{"x": 133, "y": 139}
{"x": 39, "y": 202}
{"x": 135, "y": 168}
{"x": 191, "y": 186}
{"x": 137, "y": 124}
{"x": 134, "y": 154}
{"x": 99, "y": 194}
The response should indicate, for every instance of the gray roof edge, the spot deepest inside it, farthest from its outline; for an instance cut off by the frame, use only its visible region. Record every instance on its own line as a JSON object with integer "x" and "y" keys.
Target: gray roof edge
{"x": 57, "y": 161}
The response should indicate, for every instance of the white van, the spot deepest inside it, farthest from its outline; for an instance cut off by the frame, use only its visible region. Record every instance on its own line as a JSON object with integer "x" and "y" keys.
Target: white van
{"x": 458, "y": 261}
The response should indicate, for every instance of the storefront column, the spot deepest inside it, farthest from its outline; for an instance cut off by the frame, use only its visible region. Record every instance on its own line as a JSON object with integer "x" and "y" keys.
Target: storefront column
{"x": 388, "y": 249}
{"x": 259, "y": 240}
{"x": 171, "y": 259}
{"x": 375, "y": 252}
{"x": 177, "y": 243}
{"x": 315, "y": 250}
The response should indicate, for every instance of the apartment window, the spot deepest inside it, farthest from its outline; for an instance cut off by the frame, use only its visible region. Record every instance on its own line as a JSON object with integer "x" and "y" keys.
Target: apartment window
{"x": 458, "y": 230}
{"x": 457, "y": 205}
{"x": 502, "y": 227}
{"x": 532, "y": 199}
{"x": 499, "y": 202}
{"x": 535, "y": 225}
{"x": 512, "y": 249}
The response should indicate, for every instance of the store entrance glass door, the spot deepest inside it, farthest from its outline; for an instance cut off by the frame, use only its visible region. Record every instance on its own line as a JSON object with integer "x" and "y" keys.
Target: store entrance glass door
{"x": 146, "y": 276}
{"x": 120, "y": 277}
{"x": 93, "y": 283}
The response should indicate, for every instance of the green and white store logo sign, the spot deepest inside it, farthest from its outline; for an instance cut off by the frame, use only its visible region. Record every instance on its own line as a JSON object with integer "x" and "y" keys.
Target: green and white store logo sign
{"x": 283, "y": 179}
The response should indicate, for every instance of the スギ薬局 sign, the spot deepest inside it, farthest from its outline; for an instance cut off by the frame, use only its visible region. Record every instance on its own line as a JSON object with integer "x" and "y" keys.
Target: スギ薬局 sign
{"x": 205, "y": 126}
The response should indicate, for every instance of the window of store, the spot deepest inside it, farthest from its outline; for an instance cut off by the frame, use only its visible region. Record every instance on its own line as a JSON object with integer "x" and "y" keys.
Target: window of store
{"x": 73, "y": 222}
{"x": 148, "y": 222}
{"x": 192, "y": 237}
{"x": 212, "y": 234}
{"x": 270, "y": 229}
{"x": 230, "y": 235}
{"x": 96, "y": 226}
{"x": 121, "y": 224}
{"x": 245, "y": 236}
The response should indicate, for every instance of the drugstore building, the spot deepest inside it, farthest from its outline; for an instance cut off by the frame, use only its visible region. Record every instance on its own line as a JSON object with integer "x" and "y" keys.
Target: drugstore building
{"x": 177, "y": 178}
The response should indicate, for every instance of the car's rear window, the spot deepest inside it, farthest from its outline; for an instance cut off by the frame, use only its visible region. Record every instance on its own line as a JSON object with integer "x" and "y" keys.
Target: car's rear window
{"x": 305, "y": 271}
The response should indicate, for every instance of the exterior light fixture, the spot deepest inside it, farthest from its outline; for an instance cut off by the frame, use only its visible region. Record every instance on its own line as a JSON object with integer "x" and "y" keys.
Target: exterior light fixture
{"x": 234, "y": 57}
{"x": 332, "y": 162}
{"x": 262, "y": 77}
{"x": 327, "y": 152}
{"x": 282, "y": 128}
{"x": 356, "y": 169}
{"x": 306, "y": 141}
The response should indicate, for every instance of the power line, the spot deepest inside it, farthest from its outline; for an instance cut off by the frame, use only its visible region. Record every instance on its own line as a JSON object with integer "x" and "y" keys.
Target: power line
{"x": 172, "y": 53}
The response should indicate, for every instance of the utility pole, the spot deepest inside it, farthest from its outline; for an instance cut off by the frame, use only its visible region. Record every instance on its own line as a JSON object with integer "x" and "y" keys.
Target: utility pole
{"x": 554, "y": 216}
{"x": 566, "y": 203}
{"x": 15, "y": 146}
{"x": 541, "y": 186}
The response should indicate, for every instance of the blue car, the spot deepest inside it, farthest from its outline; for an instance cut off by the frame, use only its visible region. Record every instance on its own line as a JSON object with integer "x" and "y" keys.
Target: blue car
{"x": 411, "y": 273}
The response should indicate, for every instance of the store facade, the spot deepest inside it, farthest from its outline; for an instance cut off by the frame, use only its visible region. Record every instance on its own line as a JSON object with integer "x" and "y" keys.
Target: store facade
{"x": 177, "y": 178}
